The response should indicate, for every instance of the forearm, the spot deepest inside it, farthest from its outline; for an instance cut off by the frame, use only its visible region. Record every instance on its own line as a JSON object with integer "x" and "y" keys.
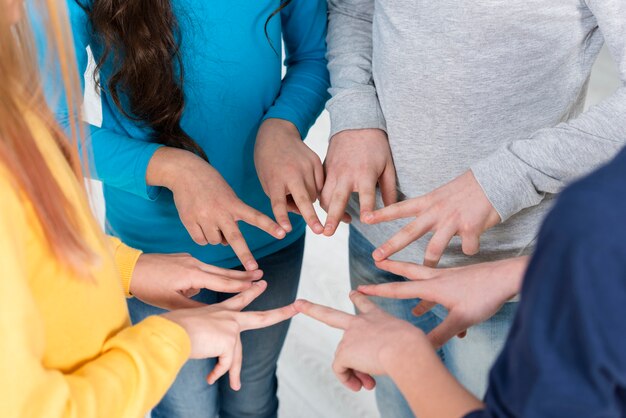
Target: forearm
{"x": 430, "y": 390}
{"x": 512, "y": 270}
{"x": 168, "y": 166}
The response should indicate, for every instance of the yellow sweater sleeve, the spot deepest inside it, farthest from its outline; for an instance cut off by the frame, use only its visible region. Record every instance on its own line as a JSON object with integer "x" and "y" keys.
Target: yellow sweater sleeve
{"x": 133, "y": 371}
{"x": 125, "y": 259}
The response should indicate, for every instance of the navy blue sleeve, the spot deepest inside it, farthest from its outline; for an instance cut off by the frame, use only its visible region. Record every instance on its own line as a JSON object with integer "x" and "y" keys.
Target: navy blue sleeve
{"x": 566, "y": 354}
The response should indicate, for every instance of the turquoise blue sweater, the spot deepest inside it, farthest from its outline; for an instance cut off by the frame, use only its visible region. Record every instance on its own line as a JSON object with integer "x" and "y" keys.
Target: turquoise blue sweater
{"x": 232, "y": 83}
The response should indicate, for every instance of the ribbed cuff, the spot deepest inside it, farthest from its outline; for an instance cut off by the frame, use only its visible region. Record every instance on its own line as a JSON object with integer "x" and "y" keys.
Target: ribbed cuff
{"x": 504, "y": 179}
{"x": 172, "y": 333}
{"x": 355, "y": 110}
{"x": 126, "y": 259}
{"x": 141, "y": 168}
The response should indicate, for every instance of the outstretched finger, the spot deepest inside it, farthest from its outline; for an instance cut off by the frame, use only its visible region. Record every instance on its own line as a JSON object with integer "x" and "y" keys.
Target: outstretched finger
{"x": 304, "y": 203}
{"x": 257, "y": 320}
{"x": 233, "y": 235}
{"x": 253, "y": 217}
{"x": 231, "y": 273}
{"x": 337, "y": 208}
{"x": 202, "y": 280}
{"x": 279, "y": 208}
{"x": 243, "y": 299}
{"x": 234, "y": 374}
{"x": 405, "y": 209}
{"x": 407, "y": 235}
{"x": 399, "y": 290}
{"x": 411, "y": 271}
{"x": 329, "y": 316}
{"x": 362, "y": 302}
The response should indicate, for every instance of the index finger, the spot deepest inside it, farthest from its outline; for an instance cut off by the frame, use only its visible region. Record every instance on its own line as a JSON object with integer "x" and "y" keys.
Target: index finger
{"x": 406, "y": 269}
{"x": 337, "y": 207}
{"x": 403, "y": 238}
{"x": 256, "y": 320}
{"x": 404, "y": 209}
{"x": 253, "y": 217}
{"x": 243, "y": 299}
{"x": 399, "y": 290}
{"x": 304, "y": 203}
{"x": 231, "y": 232}
{"x": 329, "y": 316}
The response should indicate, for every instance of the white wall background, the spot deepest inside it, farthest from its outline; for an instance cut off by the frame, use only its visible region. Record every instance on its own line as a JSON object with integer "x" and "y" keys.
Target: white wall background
{"x": 308, "y": 388}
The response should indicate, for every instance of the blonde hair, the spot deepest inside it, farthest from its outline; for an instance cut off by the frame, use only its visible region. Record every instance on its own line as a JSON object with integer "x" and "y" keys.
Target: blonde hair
{"x": 21, "y": 93}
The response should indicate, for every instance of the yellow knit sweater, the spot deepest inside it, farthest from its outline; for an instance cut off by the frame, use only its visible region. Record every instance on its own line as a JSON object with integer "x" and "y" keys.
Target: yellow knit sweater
{"x": 66, "y": 345}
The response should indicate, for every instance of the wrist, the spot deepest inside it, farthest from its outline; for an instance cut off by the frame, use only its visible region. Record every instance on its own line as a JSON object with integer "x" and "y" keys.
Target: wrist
{"x": 167, "y": 166}
{"x": 408, "y": 347}
{"x": 283, "y": 125}
{"x": 513, "y": 271}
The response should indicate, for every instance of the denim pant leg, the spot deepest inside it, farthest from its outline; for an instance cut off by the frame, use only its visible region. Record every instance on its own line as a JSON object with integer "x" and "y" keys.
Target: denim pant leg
{"x": 190, "y": 396}
{"x": 470, "y": 359}
{"x": 389, "y": 399}
{"x": 261, "y": 348}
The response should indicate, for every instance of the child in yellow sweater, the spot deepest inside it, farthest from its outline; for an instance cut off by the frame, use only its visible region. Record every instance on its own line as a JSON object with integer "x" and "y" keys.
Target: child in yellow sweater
{"x": 67, "y": 347}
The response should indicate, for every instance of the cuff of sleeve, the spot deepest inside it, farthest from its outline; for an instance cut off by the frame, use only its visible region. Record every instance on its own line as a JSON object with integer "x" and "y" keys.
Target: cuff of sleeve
{"x": 476, "y": 414}
{"x": 141, "y": 167}
{"x": 126, "y": 259}
{"x": 285, "y": 113}
{"x": 173, "y": 334}
{"x": 355, "y": 110}
{"x": 504, "y": 179}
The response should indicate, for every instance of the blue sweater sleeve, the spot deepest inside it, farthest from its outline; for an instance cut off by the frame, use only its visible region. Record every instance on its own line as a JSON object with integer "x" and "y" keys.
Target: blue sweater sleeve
{"x": 117, "y": 160}
{"x": 304, "y": 90}
{"x": 566, "y": 354}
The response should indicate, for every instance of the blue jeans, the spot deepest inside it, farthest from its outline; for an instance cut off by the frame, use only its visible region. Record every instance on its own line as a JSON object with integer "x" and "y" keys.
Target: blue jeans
{"x": 468, "y": 359}
{"x": 191, "y": 397}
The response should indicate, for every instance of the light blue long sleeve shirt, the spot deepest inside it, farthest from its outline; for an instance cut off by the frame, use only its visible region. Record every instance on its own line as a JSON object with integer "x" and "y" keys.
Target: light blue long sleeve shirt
{"x": 232, "y": 83}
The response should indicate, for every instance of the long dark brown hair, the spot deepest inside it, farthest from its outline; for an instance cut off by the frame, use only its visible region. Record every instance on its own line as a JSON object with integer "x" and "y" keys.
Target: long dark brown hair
{"x": 143, "y": 40}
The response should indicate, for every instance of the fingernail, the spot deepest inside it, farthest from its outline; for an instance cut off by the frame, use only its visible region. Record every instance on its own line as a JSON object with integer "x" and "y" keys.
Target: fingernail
{"x": 367, "y": 216}
{"x": 318, "y": 228}
{"x": 251, "y": 265}
{"x": 260, "y": 283}
{"x": 286, "y": 227}
{"x": 280, "y": 232}
{"x": 378, "y": 254}
{"x": 258, "y": 274}
{"x": 328, "y": 229}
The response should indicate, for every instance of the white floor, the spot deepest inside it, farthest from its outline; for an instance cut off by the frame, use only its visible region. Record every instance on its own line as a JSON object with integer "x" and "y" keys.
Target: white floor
{"x": 308, "y": 388}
